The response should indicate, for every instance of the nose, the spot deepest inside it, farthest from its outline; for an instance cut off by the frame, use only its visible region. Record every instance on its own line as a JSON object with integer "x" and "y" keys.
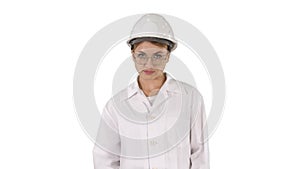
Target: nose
{"x": 149, "y": 63}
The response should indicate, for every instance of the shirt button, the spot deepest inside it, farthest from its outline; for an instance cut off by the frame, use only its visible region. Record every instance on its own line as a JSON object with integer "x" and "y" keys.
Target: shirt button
{"x": 151, "y": 117}
{"x": 153, "y": 142}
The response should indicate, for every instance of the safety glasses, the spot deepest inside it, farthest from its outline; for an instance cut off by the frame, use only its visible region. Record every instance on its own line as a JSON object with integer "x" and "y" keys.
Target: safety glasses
{"x": 157, "y": 58}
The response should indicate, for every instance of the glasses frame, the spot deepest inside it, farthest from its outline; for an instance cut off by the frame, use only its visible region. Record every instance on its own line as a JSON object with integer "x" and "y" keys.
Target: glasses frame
{"x": 160, "y": 61}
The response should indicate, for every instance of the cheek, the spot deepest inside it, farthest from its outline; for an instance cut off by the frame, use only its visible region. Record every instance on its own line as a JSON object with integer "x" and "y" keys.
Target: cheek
{"x": 139, "y": 68}
{"x": 161, "y": 66}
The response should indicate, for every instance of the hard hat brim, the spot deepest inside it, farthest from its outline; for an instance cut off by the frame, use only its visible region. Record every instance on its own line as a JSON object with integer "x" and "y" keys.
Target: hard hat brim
{"x": 168, "y": 42}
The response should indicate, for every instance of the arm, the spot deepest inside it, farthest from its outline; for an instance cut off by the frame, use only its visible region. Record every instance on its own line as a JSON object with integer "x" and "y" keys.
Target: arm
{"x": 108, "y": 137}
{"x": 198, "y": 134}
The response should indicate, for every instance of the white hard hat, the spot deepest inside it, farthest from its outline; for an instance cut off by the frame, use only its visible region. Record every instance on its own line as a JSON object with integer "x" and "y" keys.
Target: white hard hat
{"x": 152, "y": 27}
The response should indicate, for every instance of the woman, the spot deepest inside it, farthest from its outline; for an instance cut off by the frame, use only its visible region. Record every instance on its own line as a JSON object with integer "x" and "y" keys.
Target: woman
{"x": 157, "y": 122}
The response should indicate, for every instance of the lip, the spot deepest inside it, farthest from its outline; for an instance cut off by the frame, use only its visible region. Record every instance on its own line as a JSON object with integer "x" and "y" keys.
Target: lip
{"x": 148, "y": 72}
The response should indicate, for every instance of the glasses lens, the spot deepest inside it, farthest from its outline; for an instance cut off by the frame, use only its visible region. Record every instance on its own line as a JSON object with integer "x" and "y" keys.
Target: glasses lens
{"x": 156, "y": 59}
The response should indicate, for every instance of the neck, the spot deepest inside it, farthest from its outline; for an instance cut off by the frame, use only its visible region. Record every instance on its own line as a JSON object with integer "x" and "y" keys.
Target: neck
{"x": 151, "y": 87}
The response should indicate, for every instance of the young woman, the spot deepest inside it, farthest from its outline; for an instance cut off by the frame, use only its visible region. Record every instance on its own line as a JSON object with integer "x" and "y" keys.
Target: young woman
{"x": 157, "y": 122}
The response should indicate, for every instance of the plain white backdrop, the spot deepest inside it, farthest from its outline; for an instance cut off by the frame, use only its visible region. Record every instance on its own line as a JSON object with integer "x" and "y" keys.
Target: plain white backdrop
{"x": 257, "y": 43}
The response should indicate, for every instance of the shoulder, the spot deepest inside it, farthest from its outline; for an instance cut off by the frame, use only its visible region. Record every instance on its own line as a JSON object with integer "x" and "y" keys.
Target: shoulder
{"x": 188, "y": 88}
{"x": 118, "y": 97}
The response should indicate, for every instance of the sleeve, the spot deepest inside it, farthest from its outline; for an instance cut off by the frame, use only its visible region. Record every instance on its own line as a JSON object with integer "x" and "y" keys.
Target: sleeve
{"x": 107, "y": 145}
{"x": 198, "y": 135}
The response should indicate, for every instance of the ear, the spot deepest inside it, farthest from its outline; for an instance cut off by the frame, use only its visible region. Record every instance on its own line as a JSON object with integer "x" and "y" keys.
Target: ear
{"x": 168, "y": 57}
{"x": 132, "y": 57}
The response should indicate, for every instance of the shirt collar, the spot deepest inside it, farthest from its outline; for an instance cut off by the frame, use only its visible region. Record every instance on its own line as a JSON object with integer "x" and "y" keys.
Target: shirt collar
{"x": 170, "y": 85}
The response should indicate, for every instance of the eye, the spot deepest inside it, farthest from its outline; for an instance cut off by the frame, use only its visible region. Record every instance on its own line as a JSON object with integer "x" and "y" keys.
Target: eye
{"x": 140, "y": 55}
{"x": 157, "y": 56}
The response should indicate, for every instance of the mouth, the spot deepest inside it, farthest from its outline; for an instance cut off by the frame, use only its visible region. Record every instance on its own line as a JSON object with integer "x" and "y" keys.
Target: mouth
{"x": 148, "y": 72}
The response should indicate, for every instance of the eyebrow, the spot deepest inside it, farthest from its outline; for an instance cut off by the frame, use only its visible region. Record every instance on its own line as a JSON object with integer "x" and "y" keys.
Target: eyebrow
{"x": 154, "y": 53}
{"x": 141, "y": 52}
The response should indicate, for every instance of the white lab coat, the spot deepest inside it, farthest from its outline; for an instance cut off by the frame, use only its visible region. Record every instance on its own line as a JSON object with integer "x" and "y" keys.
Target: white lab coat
{"x": 172, "y": 135}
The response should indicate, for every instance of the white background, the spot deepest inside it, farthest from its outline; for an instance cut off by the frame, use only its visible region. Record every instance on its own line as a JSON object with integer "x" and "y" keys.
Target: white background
{"x": 257, "y": 42}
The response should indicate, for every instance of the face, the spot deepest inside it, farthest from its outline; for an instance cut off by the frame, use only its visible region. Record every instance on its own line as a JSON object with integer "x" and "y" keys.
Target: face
{"x": 150, "y": 60}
